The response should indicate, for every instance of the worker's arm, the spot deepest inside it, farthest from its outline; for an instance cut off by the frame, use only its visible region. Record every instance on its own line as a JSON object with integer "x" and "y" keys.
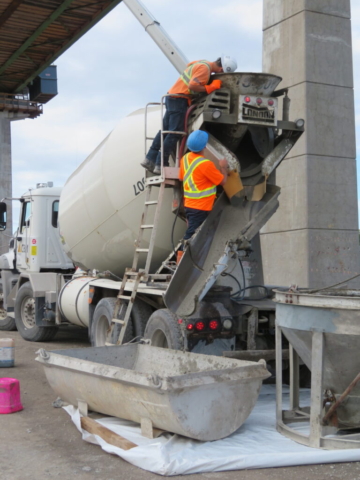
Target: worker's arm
{"x": 200, "y": 77}
{"x": 224, "y": 168}
{"x": 215, "y": 176}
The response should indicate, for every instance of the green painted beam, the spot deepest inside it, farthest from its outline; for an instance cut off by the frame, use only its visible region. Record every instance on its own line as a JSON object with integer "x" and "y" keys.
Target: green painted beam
{"x": 74, "y": 39}
{"x": 35, "y": 35}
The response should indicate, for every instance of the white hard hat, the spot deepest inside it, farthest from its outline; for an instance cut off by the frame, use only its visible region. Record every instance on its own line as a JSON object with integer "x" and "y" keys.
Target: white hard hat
{"x": 228, "y": 63}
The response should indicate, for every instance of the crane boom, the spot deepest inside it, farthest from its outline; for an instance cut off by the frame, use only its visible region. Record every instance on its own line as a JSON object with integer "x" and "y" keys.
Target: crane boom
{"x": 158, "y": 34}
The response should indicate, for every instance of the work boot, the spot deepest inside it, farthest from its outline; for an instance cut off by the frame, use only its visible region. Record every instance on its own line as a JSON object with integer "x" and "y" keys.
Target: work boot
{"x": 148, "y": 164}
{"x": 157, "y": 170}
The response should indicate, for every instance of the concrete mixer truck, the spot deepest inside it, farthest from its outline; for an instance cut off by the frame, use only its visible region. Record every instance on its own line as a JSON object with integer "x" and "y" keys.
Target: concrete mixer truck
{"x": 119, "y": 227}
{"x": 216, "y": 291}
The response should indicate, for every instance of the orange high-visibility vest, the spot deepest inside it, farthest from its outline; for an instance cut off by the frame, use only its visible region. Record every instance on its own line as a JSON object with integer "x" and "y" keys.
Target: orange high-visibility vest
{"x": 190, "y": 188}
{"x": 186, "y": 75}
{"x": 181, "y": 86}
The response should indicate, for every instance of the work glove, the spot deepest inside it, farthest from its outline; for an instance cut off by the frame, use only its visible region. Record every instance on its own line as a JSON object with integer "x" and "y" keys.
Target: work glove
{"x": 214, "y": 85}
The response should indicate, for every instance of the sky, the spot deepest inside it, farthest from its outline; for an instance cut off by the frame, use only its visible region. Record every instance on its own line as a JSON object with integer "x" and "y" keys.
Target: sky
{"x": 116, "y": 69}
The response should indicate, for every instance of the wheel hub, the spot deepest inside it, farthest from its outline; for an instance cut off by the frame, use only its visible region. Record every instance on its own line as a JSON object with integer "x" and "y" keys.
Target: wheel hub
{"x": 28, "y": 312}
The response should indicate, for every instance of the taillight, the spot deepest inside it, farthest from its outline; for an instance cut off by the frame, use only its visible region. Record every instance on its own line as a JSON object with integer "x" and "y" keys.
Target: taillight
{"x": 259, "y": 101}
{"x": 199, "y": 326}
{"x": 271, "y": 102}
{"x": 247, "y": 99}
{"x": 214, "y": 325}
{"x": 190, "y": 326}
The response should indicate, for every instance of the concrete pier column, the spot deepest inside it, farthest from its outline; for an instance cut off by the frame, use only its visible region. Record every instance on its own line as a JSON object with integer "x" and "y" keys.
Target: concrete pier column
{"x": 5, "y": 176}
{"x": 313, "y": 239}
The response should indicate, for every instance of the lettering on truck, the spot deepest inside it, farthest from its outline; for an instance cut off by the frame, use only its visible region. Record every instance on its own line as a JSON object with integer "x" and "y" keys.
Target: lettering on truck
{"x": 266, "y": 115}
{"x": 139, "y": 186}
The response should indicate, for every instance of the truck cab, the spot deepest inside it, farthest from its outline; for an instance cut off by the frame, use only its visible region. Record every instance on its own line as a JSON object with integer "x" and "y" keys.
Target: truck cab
{"x": 38, "y": 246}
{"x": 34, "y": 252}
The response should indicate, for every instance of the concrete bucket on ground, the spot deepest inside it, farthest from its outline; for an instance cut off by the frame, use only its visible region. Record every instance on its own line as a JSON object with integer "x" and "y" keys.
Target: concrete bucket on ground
{"x": 199, "y": 396}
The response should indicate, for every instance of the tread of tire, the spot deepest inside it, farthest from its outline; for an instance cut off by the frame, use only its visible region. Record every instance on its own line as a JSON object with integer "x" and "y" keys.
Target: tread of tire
{"x": 43, "y": 334}
{"x": 143, "y": 311}
{"x": 5, "y": 327}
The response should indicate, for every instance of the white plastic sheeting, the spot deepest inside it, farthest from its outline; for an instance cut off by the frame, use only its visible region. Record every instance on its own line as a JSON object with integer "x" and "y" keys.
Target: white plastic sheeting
{"x": 256, "y": 444}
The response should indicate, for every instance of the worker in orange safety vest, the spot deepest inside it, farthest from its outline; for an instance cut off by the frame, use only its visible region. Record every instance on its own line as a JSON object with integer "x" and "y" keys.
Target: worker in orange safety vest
{"x": 200, "y": 178}
{"x": 193, "y": 81}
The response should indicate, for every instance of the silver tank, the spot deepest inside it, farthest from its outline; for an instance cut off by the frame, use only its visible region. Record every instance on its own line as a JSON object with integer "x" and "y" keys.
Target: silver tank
{"x": 102, "y": 201}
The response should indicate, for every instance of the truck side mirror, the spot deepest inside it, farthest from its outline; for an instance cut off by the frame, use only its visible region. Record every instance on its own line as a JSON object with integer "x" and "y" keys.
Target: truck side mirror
{"x": 3, "y": 208}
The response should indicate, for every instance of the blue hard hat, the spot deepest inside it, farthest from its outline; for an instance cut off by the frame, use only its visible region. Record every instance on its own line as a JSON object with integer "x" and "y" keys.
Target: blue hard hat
{"x": 197, "y": 140}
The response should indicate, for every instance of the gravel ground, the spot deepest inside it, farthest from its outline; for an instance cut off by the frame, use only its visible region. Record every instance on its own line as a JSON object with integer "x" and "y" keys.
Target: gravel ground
{"x": 41, "y": 442}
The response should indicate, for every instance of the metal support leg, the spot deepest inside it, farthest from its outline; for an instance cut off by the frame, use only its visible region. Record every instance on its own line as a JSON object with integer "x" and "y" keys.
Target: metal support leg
{"x": 317, "y": 364}
{"x": 278, "y": 348}
{"x": 252, "y": 327}
{"x": 294, "y": 379}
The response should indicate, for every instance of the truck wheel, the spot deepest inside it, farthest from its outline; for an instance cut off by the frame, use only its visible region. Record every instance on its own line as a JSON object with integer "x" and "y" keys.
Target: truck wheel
{"x": 164, "y": 330}
{"x": 25, "y": 317}
{"x": 101, "y": 323}
{"x": 6, "y": 323}
{"x": 140, "y": 315}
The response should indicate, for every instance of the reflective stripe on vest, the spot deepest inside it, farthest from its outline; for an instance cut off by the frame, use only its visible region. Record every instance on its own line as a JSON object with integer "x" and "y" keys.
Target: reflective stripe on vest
{"x": 190, "y": 189}
{"x": 186, "y": 75}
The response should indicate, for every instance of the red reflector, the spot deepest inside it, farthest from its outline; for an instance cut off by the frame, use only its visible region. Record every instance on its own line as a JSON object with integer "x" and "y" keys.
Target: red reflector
{"x": 214, "y": 324}
{"x": 259, "y": 101}
{"x": 199, "y": 326}
{"x": 189, "y": 326}
{"x": 247, "y": 99}
{"x": 271, "y": 103}
{"x": 180, "y": 321}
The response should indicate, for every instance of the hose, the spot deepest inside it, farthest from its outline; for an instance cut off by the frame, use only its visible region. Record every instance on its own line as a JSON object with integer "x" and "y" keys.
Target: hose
{"x": 240, "y": 294}
{"x": 173, "y": 229}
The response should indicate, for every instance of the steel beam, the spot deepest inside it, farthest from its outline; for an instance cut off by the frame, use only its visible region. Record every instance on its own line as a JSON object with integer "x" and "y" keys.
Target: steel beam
{"x": 74, "y": 39}
{"x": 36, "y": 34}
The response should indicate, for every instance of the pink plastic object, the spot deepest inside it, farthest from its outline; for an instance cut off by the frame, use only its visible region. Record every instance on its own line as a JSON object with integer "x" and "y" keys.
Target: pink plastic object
{"x": 10, "y": 395}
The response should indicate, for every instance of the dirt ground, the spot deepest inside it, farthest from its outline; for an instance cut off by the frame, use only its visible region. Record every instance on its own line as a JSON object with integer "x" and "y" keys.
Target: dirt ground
{"x": 41, "y": 442}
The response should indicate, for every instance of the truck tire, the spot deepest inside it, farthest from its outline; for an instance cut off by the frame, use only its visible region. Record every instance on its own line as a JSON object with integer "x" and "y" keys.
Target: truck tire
{"x": 25, "y": 317}
{"x": 140, "y": 315}
{"x": 101, "y": 322}
{"x": 6, "y": 323}
{"x": 163, "y": 329}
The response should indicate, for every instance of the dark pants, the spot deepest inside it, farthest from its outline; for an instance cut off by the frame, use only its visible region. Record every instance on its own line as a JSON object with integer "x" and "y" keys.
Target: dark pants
{"x": 194, "y": 219}
{"x": 174, "y": 120}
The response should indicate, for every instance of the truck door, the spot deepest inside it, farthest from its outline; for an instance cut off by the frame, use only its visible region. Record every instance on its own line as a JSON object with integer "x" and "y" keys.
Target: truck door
{"x": 23, "y": 237}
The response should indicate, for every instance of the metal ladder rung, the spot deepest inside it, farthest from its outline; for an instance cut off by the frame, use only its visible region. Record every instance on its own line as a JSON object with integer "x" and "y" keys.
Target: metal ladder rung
{"x": 151, "y": 202}
{"x": 147, "y": 226}
{"x": 142, "y": 250}
{"x": 133, "y": 274}
{"x": 116, "y": 320}
{"x": 158, "y": 276}
{"x": 123, "y": 297}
